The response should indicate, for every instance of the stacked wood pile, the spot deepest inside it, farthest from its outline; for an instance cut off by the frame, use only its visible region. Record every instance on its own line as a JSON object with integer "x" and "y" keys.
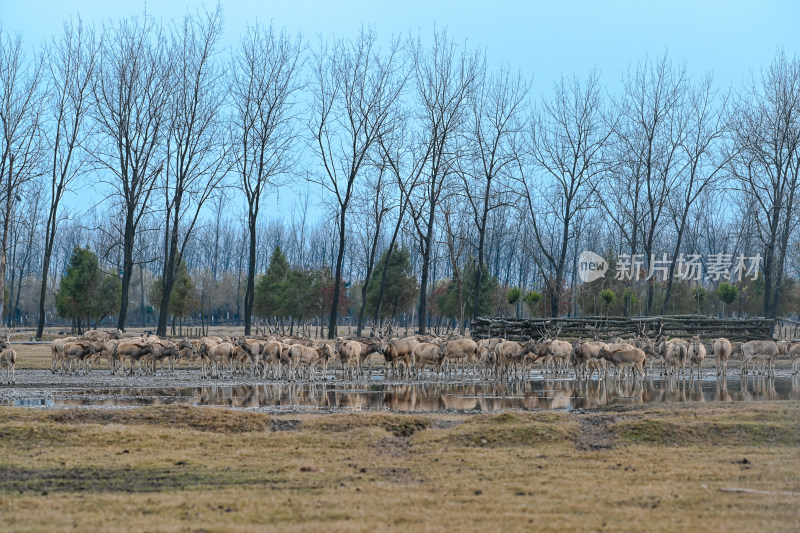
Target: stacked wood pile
{"x": 787, "y": 329}
{"x": 588, "y": 327}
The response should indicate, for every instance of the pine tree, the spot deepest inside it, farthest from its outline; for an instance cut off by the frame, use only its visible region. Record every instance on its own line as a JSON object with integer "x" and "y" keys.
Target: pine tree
{"x": 270, "y": 292}
{"x": 400, "y": 287}
{"x": 86, "y": 293}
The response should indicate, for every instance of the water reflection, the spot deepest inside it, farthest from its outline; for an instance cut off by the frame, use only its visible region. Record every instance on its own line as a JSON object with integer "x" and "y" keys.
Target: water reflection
{"x": 461, "y": 396}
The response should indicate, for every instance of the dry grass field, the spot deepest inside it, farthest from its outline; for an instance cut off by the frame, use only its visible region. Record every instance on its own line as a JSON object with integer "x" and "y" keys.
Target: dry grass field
{"x": 725, "y": 467}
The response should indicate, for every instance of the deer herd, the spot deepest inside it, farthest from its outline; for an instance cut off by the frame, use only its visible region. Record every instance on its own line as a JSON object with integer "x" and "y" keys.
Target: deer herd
{"x": 411, "y": 357}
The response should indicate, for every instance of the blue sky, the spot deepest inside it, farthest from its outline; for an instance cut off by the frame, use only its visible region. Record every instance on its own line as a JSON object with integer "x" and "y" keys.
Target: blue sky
{"x": 543, "y": 39}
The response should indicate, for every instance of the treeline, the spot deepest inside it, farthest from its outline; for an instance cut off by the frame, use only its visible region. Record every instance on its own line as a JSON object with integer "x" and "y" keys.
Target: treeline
{"x": 412, "y": 180}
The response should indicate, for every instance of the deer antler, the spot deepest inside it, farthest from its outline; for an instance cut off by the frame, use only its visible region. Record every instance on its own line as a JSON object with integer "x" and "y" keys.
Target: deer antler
{"x": 660, "y": 327}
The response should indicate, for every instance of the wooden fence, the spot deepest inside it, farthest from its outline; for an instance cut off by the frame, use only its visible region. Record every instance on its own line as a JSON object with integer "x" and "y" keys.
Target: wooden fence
{"x": 604, "y": 327}
{"x": 787, "y": 329}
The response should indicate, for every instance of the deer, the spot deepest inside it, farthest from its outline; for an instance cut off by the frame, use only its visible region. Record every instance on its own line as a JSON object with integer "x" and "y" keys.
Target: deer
{"x": 632, "y": 358}
{"x": 8, "y": 360}
{"x": 696, "y": 355}
{"x": 722, "y": 351}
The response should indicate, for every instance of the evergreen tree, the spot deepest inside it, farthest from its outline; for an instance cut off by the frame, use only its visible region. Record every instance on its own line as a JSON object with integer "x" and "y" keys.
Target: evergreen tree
{"x": 270, "y": 292}
{"x": 532, "y": 299}
{"x": 183, "y": 300}
{"x": 400, "y": 288}
{"x": 302, "y": 294}
{"x": 727, "y": 293}
{"x": 448, "y": 304}
{"x": 86, "y": 293}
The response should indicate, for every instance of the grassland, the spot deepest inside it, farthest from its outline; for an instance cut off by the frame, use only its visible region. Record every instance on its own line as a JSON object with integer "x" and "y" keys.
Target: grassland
{"x": 725, "y": 467}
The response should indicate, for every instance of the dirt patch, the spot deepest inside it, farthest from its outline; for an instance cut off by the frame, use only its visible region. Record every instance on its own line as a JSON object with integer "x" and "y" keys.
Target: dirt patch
{"x": 399, "y": 475}
{"x": 439, "y": 423}
{"x": 506, "y": 429}
{"x": 707, "y": 433}
{"x": 395, "y": 446}
{"x": 281, "y": 424}
{"x": 399, "y": 425}
{"x": 594, "y": 434}
{"x": 176, "y": 416}
{"x": 99, "y": 480}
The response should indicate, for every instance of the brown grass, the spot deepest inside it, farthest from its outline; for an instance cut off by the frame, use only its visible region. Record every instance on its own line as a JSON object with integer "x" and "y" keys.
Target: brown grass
{"x": 175, "y": 468}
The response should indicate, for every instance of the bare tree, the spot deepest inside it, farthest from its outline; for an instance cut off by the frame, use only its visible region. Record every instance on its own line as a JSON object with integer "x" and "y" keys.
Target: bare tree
{"x": 264, "y": 85}
{"x": 768, "y": 164}
{"x": 356, "y": 85}
{"x": 131, "y": 93}
{"x": 621, "y": 197}
{"x": 456, "y": 241}
{"x": 219, "y": 209}
{"x": 72, "y": 61}
{"x": 377, "y": 207}
{"x": 705, "y": 156}
{"x": 495, "y": 124}
{"x": 402, "y": 154}
{"x": 195, "y": 148}
{"x": 653, "y": 135}
{"x": 25, "y": 235}
{"x": 446, "y": 80}
{"x": 566, "y": 144}
{"x": 21, "y": 113}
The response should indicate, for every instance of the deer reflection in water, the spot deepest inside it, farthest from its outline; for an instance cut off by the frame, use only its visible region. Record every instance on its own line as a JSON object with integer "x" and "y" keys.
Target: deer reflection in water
{"x": 477, "y": 395}
{"x": 721, "y": 393}
{"x": 795, "y": 393}
{"x": 763, "y": 388}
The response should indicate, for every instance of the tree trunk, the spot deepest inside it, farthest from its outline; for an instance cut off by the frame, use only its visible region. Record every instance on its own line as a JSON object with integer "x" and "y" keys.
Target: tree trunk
{"x": 142, "y": 311}
{"x": 18, "y": 291}
{"x": 249, "y": 295}
{"x": 461, "y": 328}
{"x": 48, "y": 252}
{"x": 782, "y": 248}
{"x": 368, "y": 278}
{"x": 476, "y": 300}
{"x": 4, "y": 246}
{"x": 11, "y": 292}
{"x": 648, "y": 256}
{"x": 555, "y": 294}
{"x": 168, "y": 282}
{"x": 337, "y": 279}
{"x": 49, "y": 238}
{"x": 769, "y": 267}
{"x": 423, "y": 288}
{"x": 672, "y": 264}
{"x": 168, "y": 275}
{"x": 127, "y": 267}
{"x": 383, "y": 282}
{"x": 386, "y": 263}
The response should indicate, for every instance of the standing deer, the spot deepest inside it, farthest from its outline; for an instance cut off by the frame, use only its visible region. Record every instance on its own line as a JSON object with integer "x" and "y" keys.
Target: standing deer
{"x": 8, "y": 359}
